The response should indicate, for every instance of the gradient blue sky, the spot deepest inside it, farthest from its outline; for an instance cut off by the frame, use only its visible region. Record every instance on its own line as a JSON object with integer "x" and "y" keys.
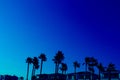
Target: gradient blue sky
{"x": 79, "y": 28}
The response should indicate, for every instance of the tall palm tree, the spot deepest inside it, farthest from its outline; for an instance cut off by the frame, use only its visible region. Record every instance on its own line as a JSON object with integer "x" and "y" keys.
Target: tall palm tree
{"x": 87, "y": 61}
{"x": 43, "y": 58}
{"x": 110, "y": 68}
{"x": 100, "y": 69}
{"x": 93, "y": 62}
{"x": 58, "y": 58}
{"x": 35, "y": 64}
{"x": 28, "y": 61}
{"x": 63, "y": 68}
{"x": 76, "y": 65}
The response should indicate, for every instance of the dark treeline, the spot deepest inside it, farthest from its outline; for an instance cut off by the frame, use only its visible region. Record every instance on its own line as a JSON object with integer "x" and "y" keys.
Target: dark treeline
{"x": 89, "y": 62}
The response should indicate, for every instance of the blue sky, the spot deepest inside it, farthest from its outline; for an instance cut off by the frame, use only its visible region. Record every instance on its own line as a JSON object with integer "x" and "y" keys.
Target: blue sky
{"x": 79, "y": 28}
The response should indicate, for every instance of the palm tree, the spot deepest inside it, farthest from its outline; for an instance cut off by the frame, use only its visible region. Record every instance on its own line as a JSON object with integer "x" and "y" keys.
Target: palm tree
{"x": 36, "y": 67}
{"x": 35, "y": 64}
{"x": 28, "y": 61}
{"x": 76, "y": 65}
{"x": 43, "y": 58}
{"x": 63, "y": 68}
{"x": 87, "y": 61}
{"x": 110, "y": 68}
{"x": 58, "y": 58}
{"x": 100, "y": 69}
{"x": 93, "y": 62}
{"x": 91, "y": 69}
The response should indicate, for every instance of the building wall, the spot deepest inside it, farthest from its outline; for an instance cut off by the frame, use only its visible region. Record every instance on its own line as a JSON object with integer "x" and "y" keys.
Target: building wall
{"x": 79, "y": 76}
{"x": 8, "y": 77}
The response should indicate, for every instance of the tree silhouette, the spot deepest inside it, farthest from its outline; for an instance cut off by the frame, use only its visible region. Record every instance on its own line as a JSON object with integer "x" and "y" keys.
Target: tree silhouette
{"x": 35, "y": 63}
{"x": 58, "y": 58}
{"x": 36, "y": 68}
{"x": 43, "y": 58}
{"x": 92, "y": 62}
{"x": 28, "y": 61}
{"x": 100, "y": 69}
{"x": 63, "y": 68}
{"x": 76, "y": 65}
{"x": 110, "y": 68}
{"x": 87, "y": 61}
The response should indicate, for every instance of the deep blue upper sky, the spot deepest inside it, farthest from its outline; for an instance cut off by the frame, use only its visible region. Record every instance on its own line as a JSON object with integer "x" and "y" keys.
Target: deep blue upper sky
{"x": 79, "y": 28}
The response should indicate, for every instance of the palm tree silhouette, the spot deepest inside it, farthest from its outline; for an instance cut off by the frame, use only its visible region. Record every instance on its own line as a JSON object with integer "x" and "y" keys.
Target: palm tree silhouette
{"x": 43, "y": 58}
{"x": 92, "y": 62}
{"x": 35, "y": 65}
{"x": 110, "y": 68}
{"x": 76, "y": 65}
{"x": 100, "y": 69}
{"x": 91, "y": 69}
{"x": 58, "y": 58}
{"x": 28, "y": 61}
{"x": 64, "y": 68}
{"x": 87, "y": 61}
{"x": 36, "y": 68}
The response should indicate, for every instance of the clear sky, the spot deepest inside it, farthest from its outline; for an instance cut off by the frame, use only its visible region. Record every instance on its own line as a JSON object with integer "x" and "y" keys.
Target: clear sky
{"x": 78, "y": 28}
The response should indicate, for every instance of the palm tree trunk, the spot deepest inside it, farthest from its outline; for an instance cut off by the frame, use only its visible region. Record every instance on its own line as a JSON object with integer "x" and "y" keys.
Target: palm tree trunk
{"x": 92, "y": 74}
{"x": 62, "y": 71}
{"x": 65, "y": 72}
{"x": 33, "y": 71}
{"x": 27, "y": 72}
{"x": 109, "y": 75}
{"x": 86, "y": 71}
{"x": 99, "y": 75}
{"x": 41, "y": 67}
{"x": 55, "y": 68}
{"x": 75, "y": 72}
